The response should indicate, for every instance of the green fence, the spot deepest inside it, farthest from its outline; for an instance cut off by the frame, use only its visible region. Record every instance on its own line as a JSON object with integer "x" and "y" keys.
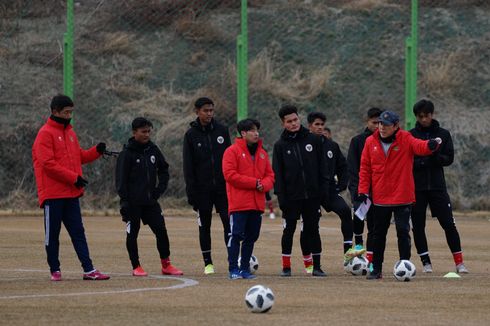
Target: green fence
{"x": 155, "y": 57}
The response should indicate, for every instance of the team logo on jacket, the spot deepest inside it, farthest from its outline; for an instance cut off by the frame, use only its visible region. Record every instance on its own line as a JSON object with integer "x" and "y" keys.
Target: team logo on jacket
{"x": 153, "y": 159}
{"x": 71, "y": 139}
{"x": 308, "y": 147}
{"x": 262, "y": 156}
{"x": 396, "y": 148}
{"x": 220, "y": 140}
{"x": 329, "y": 154}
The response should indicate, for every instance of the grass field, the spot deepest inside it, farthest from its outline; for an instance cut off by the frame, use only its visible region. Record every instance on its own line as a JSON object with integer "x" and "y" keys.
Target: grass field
{"x": 27, "y": 297}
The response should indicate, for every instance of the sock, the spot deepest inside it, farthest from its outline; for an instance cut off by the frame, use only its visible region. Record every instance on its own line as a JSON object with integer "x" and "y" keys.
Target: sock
{"x": 358, "y": 239}
{"x": 458, "y": 257}
{"x": 316, "y": 261}
{"x": 135, "y": 265}
{"x": 165, "y": 262}
{"x": 425, "y": 259}
{"x": 308, "y": 261}
{"x": 347, "y": 245}
{"x": 206, "y": 255}
{"x": 286, "y": 261}
{"x": 369, "y": 256}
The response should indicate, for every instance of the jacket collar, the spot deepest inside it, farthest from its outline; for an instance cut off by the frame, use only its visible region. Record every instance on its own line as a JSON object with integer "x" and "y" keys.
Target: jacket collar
{"x": 242, "y": 143}
{"x": 197, "y": 124}
{"x": 138, "y": 147}
{"x": 433, "y": 127}
{"x": 301, "y": 133}
{"x": 58, "y": 124}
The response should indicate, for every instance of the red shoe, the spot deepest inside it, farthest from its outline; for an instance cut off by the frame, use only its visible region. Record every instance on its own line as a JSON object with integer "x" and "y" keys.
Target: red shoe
{"x": 139, "y": 271}
{"x": 56, "y": 276}
{"x": 171, "y": 270}
{"x": 95, "y": 275}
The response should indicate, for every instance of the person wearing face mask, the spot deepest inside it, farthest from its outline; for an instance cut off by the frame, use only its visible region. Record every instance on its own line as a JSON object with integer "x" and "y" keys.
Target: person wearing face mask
{"x": 430, "y": 187}
{"x": 141, "y": 179}
{"x": 57, "y": 159}
{"x": 386, "y": 176}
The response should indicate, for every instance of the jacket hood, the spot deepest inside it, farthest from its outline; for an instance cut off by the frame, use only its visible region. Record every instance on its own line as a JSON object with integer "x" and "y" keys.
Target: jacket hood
{"x": 301, "y": 133}
{"x": 197, "y": 124}
{"x": 134, "y": 145}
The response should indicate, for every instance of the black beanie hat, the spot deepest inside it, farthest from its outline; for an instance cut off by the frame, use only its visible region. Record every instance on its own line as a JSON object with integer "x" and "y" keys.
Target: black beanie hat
{"x": 61, "y": 101}
{"x": 202, "y": 101}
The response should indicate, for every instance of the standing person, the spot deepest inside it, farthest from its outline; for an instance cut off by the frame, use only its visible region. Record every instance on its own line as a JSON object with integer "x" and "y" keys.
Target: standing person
{"x": 204, "y": 145}
{"x": 141, "y": 178}
{"x": 386, "y": 176}
{"x": 57, "y": 158}
{"x": 301, "y": 182}
{"x": 336, "y": 166}
{"x": 430, "y": 187}
{"x": 353, "y": 165}
{"x": 249, "y": 176}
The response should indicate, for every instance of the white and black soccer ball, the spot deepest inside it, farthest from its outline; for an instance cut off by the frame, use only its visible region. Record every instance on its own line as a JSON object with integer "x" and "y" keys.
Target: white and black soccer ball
{"x": 254, "y": 263}
{"x": 358, "y": 266}
{"x": 259, "y": 298}
{"x": 404, "y": 270}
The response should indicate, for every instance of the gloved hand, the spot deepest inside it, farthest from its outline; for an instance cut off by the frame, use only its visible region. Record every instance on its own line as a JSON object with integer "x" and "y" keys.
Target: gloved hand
{"x": 101, "y": 147}
{"x": 81, "y": 182}
{"x": 362, "y": 198}
{"x": 434, "y": 143}
{"x": 125, "y": 211}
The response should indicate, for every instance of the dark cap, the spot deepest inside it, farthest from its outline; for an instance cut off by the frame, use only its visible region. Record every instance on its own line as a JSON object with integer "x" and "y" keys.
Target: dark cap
{"x": 389, "y": 118}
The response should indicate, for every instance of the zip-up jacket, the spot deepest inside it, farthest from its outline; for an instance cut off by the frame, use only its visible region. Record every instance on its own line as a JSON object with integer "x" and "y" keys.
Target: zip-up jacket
{"x": 428, "y": 171}
{"x": 242, "y": 171}
{"x": 354, "y": 160}
{"x": 390, "y": 175}
{"x": 336, "y": 165}
{"x": 300, "y": 167}
{"x": 203, "y": 151}
{"x": 141, "y": 173}
{"x": 57, "y": 159}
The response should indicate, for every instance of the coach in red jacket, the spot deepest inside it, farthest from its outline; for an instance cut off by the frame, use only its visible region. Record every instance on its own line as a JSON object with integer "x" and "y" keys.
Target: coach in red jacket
{"x": 57, "y": 159}
{"x": 248, "y": 175}
{"x": 386, "y": 170}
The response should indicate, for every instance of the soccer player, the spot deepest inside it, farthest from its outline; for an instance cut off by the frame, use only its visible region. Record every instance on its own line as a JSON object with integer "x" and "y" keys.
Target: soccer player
{"x": 204, "y": 145}
{"x": 57, "y": 158}
{"x": 141, "y": 178}
{"x": 337, "y": 166}
{"x": 386, "y": 176}
{"x": 353, "y": 164}
{"x": 301, "y": 182}
{"x": 248, "y": 174}
{"x": 430, "y": 187}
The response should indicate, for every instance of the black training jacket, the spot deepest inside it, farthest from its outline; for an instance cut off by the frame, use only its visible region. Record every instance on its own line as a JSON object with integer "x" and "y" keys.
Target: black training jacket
{"x": 300, "y": 167}
{"x": 428, "y": 171}
{"x": 336, "y": 165}
{"x": 354, "y": 160}
{"x": 141, "y": 173}
{"x": 203, "y": 151}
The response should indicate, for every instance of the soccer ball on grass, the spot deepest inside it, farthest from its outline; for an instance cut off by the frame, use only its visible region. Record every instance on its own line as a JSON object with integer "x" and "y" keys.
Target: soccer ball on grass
{"x": 404, "y": 270}
{"x": 254, "y": 263}
{"x": 259, "y": 298}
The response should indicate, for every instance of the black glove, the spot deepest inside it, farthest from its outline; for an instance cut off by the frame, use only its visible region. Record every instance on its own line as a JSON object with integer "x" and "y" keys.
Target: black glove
{"x": 125, "y": 212}
{"x": 434, "y": 143}
{"x": 81, "y": 182}
{"x": 362, "y": 198}
{"x": 282, "y": 202}
{"x": 101, "y": 147}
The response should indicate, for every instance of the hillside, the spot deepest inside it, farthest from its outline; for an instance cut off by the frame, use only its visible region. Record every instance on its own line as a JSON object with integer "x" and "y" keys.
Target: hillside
{"x": 154, "y": 58}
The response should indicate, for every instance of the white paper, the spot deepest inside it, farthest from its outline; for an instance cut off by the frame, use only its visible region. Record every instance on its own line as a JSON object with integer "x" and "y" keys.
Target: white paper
{"x": 363, "y": 209}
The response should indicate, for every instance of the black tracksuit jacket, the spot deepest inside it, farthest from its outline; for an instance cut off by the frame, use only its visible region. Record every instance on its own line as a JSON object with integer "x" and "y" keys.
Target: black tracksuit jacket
{"x": 300, "y": 167}
{"x": 203, "y": 151}
{"x": 141, "y": 173}
{"x": 336, "y": 165}
{"x": 354, "y": 160}
{"x": 428, "y": 171}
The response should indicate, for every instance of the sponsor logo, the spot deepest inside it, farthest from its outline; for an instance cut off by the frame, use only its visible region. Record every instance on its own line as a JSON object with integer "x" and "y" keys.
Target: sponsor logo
{"x": 137, "y": 160}
{"x": 262, "y": 156}
{"x": 199, "y": 145}
{"x": 60, "y": 138}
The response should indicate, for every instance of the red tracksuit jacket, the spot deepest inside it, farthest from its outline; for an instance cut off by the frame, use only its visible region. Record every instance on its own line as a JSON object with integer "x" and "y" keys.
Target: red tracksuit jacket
{"x": 388, "y": 178}
{"x": 57, "y": 159}
{"x": 241, "y": 174}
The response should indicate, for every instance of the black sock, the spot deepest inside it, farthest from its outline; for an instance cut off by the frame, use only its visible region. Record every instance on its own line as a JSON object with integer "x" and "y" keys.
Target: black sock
{"x": 425, "y": 259}
{"x": 358, "y": 239}
{"x": 207, "y": 258}
{"x": 135, "y": 264}
{"x": 347, "y": 246}
{"x": 316, "y": 261}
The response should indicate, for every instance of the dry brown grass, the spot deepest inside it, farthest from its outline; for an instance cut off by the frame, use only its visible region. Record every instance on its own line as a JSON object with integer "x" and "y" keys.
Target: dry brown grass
{"x": 191, "y": 27}
{"x": 368, "y": 4}
{"x": 442, "y": 74}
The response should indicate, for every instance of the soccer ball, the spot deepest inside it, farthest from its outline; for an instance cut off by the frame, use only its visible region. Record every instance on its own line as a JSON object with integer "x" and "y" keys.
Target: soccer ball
{"x": 259, "y": 298}
{"x": 358, "y": 266}
{"x": 254, "y": 263}
{"x": 404, "y": 270}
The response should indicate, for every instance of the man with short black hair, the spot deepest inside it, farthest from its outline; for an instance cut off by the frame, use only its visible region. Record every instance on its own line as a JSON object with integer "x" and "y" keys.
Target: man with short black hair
{"x": 57, "y": 158}
{"x": 386, "y": 176}
{"x": 249, "y": 176}
{"x": 204, "y": 145}
{"x": 141, "y": 179}
{"x": 301, "y": 182}
{"x": 430, "y": 187}
{"x": 353, "y": 164}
